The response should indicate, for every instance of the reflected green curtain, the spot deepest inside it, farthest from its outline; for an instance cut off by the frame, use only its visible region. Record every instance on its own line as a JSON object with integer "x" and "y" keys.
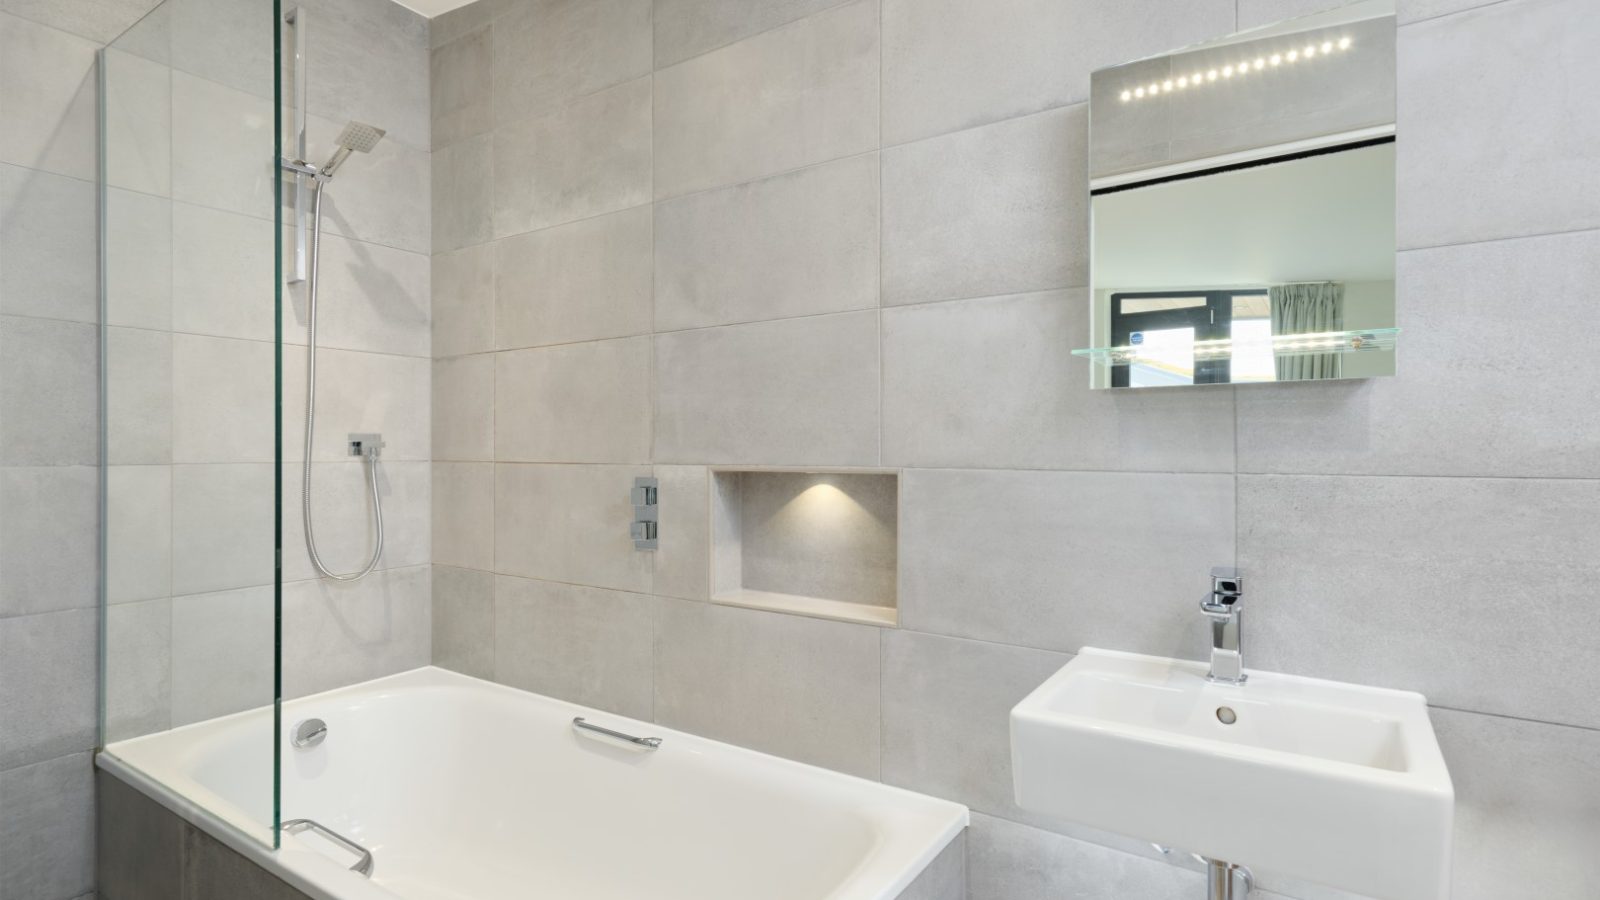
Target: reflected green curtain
{"x": 1307, "y": 309}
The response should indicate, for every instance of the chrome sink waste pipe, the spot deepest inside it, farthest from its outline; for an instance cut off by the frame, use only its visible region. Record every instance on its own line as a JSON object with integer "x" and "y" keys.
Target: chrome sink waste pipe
{"x": 1226, "y": 881}
{"x": 357, "y": 137}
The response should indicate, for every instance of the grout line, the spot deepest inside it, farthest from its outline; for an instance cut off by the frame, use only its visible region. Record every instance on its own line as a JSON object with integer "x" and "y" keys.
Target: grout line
{"x": 1422, "y": 248}
{"x": 1455, "y": 12}
{"x": 1532, "y": 721}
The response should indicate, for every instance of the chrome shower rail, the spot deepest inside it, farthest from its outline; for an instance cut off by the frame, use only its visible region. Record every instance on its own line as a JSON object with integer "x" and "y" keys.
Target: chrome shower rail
{"x": 650, "y": 743}
{"x": 362, "y": 865}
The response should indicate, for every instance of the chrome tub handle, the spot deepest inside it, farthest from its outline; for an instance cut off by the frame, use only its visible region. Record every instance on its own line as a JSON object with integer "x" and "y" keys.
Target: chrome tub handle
{"x": 649, "y": 743}
{"x": 363, "y": 865}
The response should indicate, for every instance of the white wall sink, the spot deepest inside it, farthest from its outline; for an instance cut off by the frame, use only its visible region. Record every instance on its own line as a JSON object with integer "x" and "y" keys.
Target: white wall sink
{"x": 1337, "y": 784}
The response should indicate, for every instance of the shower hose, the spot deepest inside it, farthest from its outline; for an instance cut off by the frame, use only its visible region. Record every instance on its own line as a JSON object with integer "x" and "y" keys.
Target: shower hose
{"x": 369, "y": 455}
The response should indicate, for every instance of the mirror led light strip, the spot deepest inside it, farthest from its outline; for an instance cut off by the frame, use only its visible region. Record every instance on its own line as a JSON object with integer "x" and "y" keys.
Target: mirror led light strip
{"x": 1244, "y": 67}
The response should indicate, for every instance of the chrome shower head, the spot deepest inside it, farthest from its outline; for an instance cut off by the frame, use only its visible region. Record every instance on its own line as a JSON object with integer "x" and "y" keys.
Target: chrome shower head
{"x": 358, "y": 137}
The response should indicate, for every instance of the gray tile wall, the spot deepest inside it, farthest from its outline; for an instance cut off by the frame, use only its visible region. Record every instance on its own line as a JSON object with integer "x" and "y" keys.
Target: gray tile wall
{"x": 49, "y": 349}
{"x": 818, "y": 233}
{"x": 825, "y": 233}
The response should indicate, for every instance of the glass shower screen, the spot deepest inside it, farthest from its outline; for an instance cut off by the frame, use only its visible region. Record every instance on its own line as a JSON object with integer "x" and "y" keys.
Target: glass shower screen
{"x": 192, "y": 455}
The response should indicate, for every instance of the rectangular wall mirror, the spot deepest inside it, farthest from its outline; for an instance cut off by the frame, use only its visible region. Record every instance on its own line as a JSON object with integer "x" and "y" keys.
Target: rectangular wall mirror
{"x": 1242, "y": 195}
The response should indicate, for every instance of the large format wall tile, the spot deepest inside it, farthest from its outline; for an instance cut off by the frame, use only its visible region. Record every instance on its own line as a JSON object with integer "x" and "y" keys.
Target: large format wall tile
{"x": 222, "y": 399}
{"x": 221, "y": 41}
{"x": 1463, "y": 403}
{"x": 48, "y": 392}
{"x": 47, "y": 245}
{"x": 463, "y": 193}
{"x": 581, "y": 644}
{"x": 138, "y": 260}
{"x": 683, "y": 557}
{"x": 802, "y": 688}
{"x": 221, "y": 148}
{"x": 98, "y": 20}
{"x": 1525, "y": 818}
{"x": 371, "y": 297}
{"x": 1409, "y": 10}
{"x": 992, "y": 383}
{"x": 47, "y": 836}
{"x": 801, "y": 94}
{"x": 459, "y": 85}
{"x": 47, "y": 79}
{"x": 222, "y": 273}
{"x": 1391, "y": 580}
{"x": 463, "y": 408}
{"x": 463, "y": 514}
{"x": 937, "y": 688}
{"x": 138, "y": 411}
{"x": 463, "y": 621}
{"x": 583, "y": 281}
{"x": 568, "y": 523}
{"x": 48, "y": 558}
{"x": 1007, "y": 861}
{"x": 547, "y": 52}
{"x": 48, "y": 674}
{"x": 222, "y": 526}
{"x": 1060, "y": 560}
{"x": 950, "y": 64}
{"x": 798, "y": 244}
{"x": 795, "y": 392}
{"x": 463, "y": 300}
{"x": 587, "y": 158}
{"x": 996, "y": 210}
{"x": 137, "y": 136}
{"x": 462, "y": 21}
{"x": 1531, "y": 61}
{"x": 342, "y": 509}
{"x": 686, "y": 28}
{"x": 583, "y": 403}
{"x": 359, "y": 392}
{"x": 137, "y": 671}
{"x": 370, "y": 63}
{"x": 222, "y": 653}
{"x": 339, "y": 633}
{"x": 138, "y": 548}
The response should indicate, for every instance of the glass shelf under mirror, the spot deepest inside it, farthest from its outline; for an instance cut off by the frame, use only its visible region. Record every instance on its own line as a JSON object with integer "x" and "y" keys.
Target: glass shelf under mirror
{"x": 1171, "y": 355}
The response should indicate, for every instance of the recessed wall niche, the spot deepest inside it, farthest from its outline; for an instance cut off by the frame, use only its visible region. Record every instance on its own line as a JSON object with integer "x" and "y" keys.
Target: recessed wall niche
{"x": 813, "y": 543}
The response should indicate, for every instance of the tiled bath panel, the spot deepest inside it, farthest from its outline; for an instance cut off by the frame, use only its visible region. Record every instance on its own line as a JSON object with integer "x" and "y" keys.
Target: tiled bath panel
{"x": 855, "y": 234}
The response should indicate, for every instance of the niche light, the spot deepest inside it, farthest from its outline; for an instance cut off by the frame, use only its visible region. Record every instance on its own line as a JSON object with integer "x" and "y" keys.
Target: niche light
{"x": 1198, "y": 78}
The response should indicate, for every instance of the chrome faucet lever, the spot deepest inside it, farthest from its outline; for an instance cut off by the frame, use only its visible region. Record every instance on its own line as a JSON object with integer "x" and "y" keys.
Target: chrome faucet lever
{"x": 1223, "y": 606}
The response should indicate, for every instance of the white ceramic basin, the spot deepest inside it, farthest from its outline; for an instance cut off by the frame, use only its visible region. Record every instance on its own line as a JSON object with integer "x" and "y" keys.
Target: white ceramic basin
{"x": 1337, "y": 784}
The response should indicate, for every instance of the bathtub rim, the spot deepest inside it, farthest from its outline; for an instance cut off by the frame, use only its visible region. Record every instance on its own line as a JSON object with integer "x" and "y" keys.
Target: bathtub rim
{"x": 305, "y": 869}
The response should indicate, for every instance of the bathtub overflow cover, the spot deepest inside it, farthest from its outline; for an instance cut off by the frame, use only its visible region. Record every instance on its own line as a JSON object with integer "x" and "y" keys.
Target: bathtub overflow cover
{"x": 1225, "y": 715}
{"x": 310, "y": 733}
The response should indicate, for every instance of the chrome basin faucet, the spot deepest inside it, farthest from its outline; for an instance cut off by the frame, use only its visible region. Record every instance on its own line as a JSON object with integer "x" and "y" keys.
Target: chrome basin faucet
{"x": 1222, "y": 607}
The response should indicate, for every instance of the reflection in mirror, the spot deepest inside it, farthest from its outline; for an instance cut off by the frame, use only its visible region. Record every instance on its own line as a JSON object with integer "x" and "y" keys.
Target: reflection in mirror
{"x": 1243, "y": 207}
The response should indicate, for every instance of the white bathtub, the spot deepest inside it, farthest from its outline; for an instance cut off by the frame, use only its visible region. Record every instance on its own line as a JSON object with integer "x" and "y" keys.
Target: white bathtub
{"x": 468, "y": 790}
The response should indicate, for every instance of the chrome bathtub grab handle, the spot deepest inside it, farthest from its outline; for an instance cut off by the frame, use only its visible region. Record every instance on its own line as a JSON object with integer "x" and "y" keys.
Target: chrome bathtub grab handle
{"x": 650, "y": 743}
{"x": 363, "y": 865}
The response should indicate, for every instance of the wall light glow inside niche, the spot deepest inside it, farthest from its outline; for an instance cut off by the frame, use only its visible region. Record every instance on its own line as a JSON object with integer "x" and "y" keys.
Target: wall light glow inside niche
{"x": 823, "y": 503}
{"x": 1244, "y": 67}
